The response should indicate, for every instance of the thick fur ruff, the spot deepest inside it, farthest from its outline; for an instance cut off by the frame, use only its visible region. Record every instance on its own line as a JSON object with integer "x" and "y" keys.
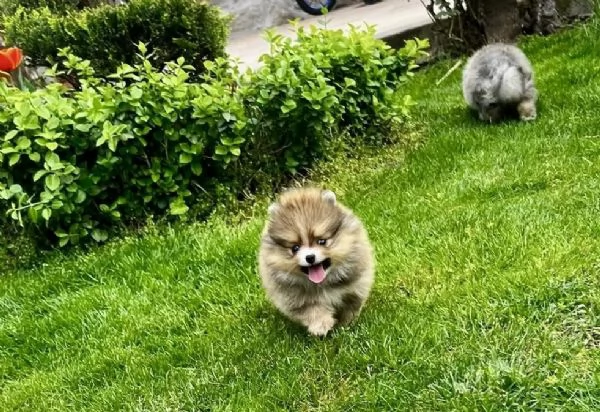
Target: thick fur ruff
{"x": 497, "y": 80}
{"x": 315, "y": 260}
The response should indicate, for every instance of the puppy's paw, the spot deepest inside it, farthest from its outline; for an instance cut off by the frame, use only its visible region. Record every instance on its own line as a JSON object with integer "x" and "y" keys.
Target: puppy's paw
{"x": 527, "y": 111}
{"x": 347, "y": 317}
{"x": 351, "y": 309}
{"x": 528, "y": 117}
{"x": 321, "y": 326}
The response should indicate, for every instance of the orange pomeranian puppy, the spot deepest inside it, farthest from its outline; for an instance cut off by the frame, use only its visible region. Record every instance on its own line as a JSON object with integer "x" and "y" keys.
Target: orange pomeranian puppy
{"x": 315, "y": 260}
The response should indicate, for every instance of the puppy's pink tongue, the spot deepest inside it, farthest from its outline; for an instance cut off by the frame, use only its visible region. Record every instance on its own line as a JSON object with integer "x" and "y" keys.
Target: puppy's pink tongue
{"x": 316, "y": 273}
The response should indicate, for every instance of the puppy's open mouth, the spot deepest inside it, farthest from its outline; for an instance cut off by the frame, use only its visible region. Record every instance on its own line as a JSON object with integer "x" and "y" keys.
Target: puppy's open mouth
{"x": 316, "y": 273}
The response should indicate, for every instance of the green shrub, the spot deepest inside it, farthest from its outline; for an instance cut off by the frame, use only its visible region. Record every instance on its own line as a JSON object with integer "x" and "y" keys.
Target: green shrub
{"x": 79, "y": 163}
{"x": 363, "y": 72}
{"x": 107, "y": 35}
{"x": 325, "y": 81}
{"x": 147, "y": 142}
{"x": 9, "y": 7}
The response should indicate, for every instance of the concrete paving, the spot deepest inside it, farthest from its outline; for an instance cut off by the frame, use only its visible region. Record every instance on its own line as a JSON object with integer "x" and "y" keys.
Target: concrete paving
{"x": 391, "y": 17}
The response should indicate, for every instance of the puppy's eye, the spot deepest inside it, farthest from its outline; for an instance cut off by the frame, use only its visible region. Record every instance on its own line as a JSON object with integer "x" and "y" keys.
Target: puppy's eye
{"x": 321, "y": 242}
{"x": 295, "y": 248}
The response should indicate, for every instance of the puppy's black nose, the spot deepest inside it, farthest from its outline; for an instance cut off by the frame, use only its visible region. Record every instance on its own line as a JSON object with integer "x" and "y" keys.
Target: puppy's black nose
{"x": 310, "y": 259}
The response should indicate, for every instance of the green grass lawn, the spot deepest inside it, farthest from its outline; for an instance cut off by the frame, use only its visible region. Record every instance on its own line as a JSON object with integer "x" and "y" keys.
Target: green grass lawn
{"x": 486, "y": 298}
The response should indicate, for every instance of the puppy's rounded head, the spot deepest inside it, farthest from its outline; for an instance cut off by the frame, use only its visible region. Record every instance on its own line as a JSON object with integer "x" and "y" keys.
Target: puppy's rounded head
{"x": 303, "y": 234}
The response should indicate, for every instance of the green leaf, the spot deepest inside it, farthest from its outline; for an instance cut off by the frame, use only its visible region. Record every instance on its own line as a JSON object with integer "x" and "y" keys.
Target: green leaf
{"x": 46, "y": 213}
{"x": 34, "y": 157}
{"x": 81, "y": 196}
{"x": 13, "y": 159}
{"x": 52, "y": 146}
{"x": 52, "y": 160}
{"x": 33, "y": 214}
{"x": 99, "y": 235}
{"x": 221, "y": 150}
{"x": 52, "y": 182}
{"x": 101, "y": 140}
{"x": 10, "y": 135}
{"x": 46, "y": 196}
{"x": 228, "y": 116}
{"x": 142, "y": 48}
{"x": 235, "y": 151}
{"x": 185, "y": 158}
{"x": 288, "y": 106}
{"x": 38, "y": 175}
{"x": 61, "y": 234}
{"x": 349, "y": 82}
{"x": 197, "y": 168}
{"x": 14, "y": 189}
{"x": 178, "y": 207}
{"x": 136, "y": 93}
{"x": 31, "y": 123}
{"x": 83, "y": 127}
{"x": 53, "y": 123}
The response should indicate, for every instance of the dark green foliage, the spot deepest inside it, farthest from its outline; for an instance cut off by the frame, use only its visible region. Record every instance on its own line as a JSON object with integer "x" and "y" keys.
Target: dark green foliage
{"x": 146, "y": 142}
{"x": 113, "y": 151}
{"x": 9, "y": 7}
{"x": 108, "y": 35}
{"x": 326, "y": 81}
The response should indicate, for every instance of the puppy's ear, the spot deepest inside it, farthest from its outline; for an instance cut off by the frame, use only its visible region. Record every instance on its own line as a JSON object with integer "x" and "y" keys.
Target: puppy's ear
{"x": 328, "y": 196}
{"x": 273, "y": 207}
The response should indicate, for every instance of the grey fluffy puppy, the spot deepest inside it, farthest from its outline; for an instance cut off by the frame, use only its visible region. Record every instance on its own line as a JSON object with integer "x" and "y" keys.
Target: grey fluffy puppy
{"x": 498, "y": 78}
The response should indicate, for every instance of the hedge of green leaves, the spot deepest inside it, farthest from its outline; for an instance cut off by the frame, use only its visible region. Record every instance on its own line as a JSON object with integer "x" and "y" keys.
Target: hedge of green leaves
{"x": 107, "y": 35}
{"x": 9, "y": 7}
{"x": 81, "y": 163}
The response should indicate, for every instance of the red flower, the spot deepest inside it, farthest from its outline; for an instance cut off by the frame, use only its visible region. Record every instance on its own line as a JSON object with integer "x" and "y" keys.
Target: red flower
{"x": 10, "y": 59}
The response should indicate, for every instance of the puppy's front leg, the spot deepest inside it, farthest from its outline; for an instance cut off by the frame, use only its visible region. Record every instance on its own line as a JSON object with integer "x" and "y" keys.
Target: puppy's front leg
{"x": 318, "y": 319}
{"x": 352, "y": 305}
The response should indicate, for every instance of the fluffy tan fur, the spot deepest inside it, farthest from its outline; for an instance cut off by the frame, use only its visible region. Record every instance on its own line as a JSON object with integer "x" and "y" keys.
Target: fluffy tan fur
{"x": 311, "y": 220}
